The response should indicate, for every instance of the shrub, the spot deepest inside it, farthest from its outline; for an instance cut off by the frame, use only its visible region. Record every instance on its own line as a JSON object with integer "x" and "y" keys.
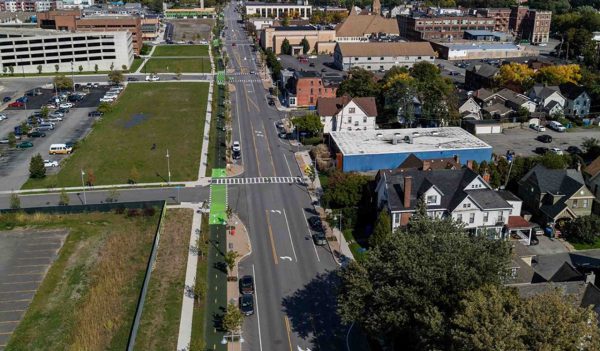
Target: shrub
{"x": 585, "y": 229}
{"x": 133, "y": 212}
{"x": 149, "y": 211}
{"x": 312, "y": 140}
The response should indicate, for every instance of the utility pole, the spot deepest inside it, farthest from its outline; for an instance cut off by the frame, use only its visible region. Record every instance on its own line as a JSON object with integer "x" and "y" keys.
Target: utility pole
{"x": 83, "y": 185}
{"x": 168, "y": 167}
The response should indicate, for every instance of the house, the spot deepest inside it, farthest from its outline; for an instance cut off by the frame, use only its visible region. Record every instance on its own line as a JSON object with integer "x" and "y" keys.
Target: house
{"x": 346, "y": 113}
{"x": 555, "y": 195}
{"x": 548, "y": 99}
{"x": 470, "y": 109}
{"x": 591, "y": 174}
{"x": 578, "y": 101}
{"x": 460, "y": 193}
{"x": 516, "y": 101}
{"x": 502, "y": 104}
{"x": 481, "y": 75}
{"x": 304, "y": 88}
{"x": 413, "y": 162}
{"x": 381, "y": 56}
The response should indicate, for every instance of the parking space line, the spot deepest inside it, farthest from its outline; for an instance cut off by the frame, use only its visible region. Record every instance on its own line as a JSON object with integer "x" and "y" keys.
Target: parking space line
{"x": 290, "y": 234}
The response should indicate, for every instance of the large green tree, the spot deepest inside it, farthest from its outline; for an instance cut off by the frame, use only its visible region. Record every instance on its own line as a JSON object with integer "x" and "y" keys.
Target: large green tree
{"x": 382, "y": 231}
{"x": 344, "y": 190}
{"x": 36, "y": 167}
{"x": 583, "y": 229}
{"x": 286, "y": 48}
{"x": 310, "y": 123}
{"x": 305, "y": 45}
{"x": 63, "y": 82}
{"x": 360, "y": 83}
{"x": 405, "y": 292}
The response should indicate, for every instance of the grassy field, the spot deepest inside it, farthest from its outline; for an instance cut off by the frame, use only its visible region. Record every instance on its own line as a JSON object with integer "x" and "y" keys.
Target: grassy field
{"x": 137, "y": 62}
{"x": 168, "y": 65}
{"x": 88, "y": 297}
{"x": 120, "y": 147}
{"x": 198, "y": 322}
{"x": 159, "y": 326}
{"x": 181, "y": 50}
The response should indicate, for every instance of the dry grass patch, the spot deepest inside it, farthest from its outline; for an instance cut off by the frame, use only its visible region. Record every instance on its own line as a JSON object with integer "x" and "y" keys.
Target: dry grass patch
{"x": 159, "y": 326}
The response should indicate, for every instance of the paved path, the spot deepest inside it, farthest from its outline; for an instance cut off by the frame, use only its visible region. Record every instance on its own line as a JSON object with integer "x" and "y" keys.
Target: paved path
{"x": 146, "y": 59}
{"x": 187, "y": 305}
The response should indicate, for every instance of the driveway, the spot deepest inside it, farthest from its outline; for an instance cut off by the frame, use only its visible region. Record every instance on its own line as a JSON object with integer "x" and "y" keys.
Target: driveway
{"x": 547, "y": 246}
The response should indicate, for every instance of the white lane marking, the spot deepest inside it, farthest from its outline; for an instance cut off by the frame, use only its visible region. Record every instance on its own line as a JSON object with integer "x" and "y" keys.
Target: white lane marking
{"x": 288, "y": 165}
{"x": 285, "y": 258}
{"x": 276, "y": 211}
{"x": 310, "y": 236}
{"x": 290, "y": 234}
{"x": 257, "y": 309}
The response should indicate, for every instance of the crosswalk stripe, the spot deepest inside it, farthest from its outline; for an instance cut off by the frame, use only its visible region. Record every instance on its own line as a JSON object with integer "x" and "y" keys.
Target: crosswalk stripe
{"x": 257, "y": 180}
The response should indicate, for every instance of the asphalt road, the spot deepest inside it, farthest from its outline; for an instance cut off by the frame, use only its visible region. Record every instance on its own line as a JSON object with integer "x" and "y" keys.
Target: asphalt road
{"x": 294, "y": 300}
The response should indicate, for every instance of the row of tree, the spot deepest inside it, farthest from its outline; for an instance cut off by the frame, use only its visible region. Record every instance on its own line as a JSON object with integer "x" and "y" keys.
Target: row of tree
{"x": 432, "y": 286}
{"x": 286, "y": 48}
{"x": 520, "y": 76}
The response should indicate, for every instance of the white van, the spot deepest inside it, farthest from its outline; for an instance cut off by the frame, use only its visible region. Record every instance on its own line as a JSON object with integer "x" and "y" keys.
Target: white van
{"x": 59, "y": 149}
{"x": 557, "y": 126}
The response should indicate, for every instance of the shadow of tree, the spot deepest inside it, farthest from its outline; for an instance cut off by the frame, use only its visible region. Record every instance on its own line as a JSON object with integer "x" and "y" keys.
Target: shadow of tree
{"x": 312, "y": 311}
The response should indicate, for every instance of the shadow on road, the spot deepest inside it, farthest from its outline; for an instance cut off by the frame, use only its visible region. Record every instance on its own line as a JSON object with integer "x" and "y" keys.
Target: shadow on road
{"x": 312, "y": 311}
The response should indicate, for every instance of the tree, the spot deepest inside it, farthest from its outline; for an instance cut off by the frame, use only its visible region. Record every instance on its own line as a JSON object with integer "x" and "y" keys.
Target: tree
{"x": 91, "y": 177}
{"x": 360, "y": 83}
{"x": 591, "y": 146}
{"x": 63, "y": 82}
{"x": 116, "y": 77}
{"x": 63, "y": 199}
{"x": 15, "y": 201}
{"x": 25, "y": 128}
{"x": 310, "y": 123}
{"x": 11, "y": 69}
{"x": 383, "y": 230}
{"x": 305, "y": 45}
{"x": 80, "y": 68}
{"x": 12, "y": 139}
{"x": 583, "y": 229}
{"x": 104, "y": 107}
{"x": 556, "y": 6}
{"x": 44, "y": 111}
{"x": 344, "y": 189}
{"x": 56, "y": 68}
{"x": 518, "y": 74}
{"x": 36, "y": 167}
{"x": 555, "y": 161}
{"x": 559, "y": 74}
{"x": 112, "y": 66}
{"x": 523, "y": 114}
{"x": 96, "y": 68}
{"x": 233, "y": 318}
{"x": 39, "y": 69}
{"x": 407, "y": 290}
{"x": 134, "y": 175}
{"x": 124, "y": 68}
{"x": 286, "y": 48}
{"x": 230, "y": 258}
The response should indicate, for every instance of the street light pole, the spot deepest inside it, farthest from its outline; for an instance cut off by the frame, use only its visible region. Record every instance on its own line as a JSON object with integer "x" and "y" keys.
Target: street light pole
{"x": 72, "y": 76}
{"x": 168, "y": 167}
{"x": 83, "y": 185}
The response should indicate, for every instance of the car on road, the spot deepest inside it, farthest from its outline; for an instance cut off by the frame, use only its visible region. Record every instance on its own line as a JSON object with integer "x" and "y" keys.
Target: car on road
{"x": 544, "y": 138}
{"x": 233, "y": 44}
{"x": 537, "y": 127}
{"x": 65, "y": 105}
{"x": 36, "y": 134}
{"x": 556, "y": 150}
{"x": 95, "y": 114}
{"x": 63, "y": 110}
{"x": 55, "y": 114}
{"x": 541, "y": 150}
{"x": 271, "y": 102}
{"x": 6, "y": 99}
{"x": 132, "y": 79}
{"x": 24, "y": 145}
{"x": 236, "y": 146}
{"x": 252, "y": 72}
{"x": 247, "y": 284}
{"x": 108, "y": 99}
{"x": 16, "y": 104}
{"x": 247, "y": 304}
{"x": 152, "y": 78}
{"x": 315, "y": 223}
{"x": 319, "y": 239}
{"x": 48, "y": 163}
{"x": 574, "y": 150}
{"x": 2, "y": 117}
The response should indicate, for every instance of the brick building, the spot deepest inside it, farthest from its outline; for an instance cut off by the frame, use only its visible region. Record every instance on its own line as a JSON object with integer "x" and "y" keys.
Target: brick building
{"x": 501, "y": 17}
{"x": 73, "y": 21}
{"x": 306, "y": 87}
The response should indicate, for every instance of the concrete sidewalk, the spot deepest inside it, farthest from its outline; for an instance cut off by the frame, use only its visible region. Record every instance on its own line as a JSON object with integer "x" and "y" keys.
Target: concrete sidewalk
{"x": 187, "y": 305}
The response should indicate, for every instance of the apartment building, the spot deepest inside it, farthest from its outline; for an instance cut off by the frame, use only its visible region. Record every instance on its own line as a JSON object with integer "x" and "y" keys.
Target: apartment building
{"x": 34, "y": 50}
{"x": 306, "y": 87}
{"x": 501, "y": 18}
{"x": 29, "y": 5}
{"x": 72, "y": 20}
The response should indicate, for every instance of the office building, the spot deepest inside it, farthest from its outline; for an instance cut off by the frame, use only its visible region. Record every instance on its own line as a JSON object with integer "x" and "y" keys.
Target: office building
{"x": 319, "y": 39}
{"x": 381, "y": 56}
{"x": 278, "y": 10}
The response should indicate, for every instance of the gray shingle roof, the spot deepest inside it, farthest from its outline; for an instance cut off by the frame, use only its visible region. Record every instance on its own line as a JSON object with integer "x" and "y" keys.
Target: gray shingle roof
{"x": 484, "y": 70}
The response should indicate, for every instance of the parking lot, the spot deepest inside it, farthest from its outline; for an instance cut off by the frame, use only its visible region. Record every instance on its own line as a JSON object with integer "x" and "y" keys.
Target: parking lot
{"x": 25, "y": 257}
{"x": 14, "y": 163}
{"x": 523, "y": 141}
{"x": 322, "y": 63}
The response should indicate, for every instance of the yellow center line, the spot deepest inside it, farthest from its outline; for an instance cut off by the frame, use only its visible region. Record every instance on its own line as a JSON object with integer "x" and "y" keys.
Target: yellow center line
{"x": 20, "y": 300}
{"x": 287, "y": 328}
{"x": 16, "y": 291}
{"x": 271, "y": 236}
{"x": 31, "y": 281}
{"x": 6, "y": 322}
{"x": 269, "y": 149}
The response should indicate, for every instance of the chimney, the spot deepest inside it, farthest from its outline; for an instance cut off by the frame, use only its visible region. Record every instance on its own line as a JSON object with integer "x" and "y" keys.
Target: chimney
{"x": 407, "y": 190}
{"x": 486, "y": 176}
{"x": 590, "y": 278}
{"x": 470, "y": 164}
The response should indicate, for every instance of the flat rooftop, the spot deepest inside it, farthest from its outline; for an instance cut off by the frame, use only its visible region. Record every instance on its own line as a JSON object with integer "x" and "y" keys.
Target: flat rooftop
{"x": 273, "y": 4}
{"x": 422, "y": 139}
{"x": 480, "y": 46}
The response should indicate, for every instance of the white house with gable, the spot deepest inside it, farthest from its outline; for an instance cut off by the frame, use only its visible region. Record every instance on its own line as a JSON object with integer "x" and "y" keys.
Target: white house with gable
{"x": 347, "y": 114}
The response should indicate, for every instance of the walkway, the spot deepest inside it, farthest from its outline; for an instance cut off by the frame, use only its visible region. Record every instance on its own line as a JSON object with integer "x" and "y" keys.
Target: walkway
{"x": 187, "y": 306}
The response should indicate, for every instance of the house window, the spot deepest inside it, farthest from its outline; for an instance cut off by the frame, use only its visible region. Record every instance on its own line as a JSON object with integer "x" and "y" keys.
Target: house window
{"x": 368, "y": 59}
{"x": 364, "y": 119}
{"x": 466, "y": 205}
{"x": 356, "y": 59}
{"x": 500, "y": 217}
{"x": 574, "y": 203}
{"x": 381, "y": 58}
{"x": 459, "y": 217}
{"x": 486, "y": 217}
{"x": 472, "y": 218}
{"x": 431, "y": 199}
{"x": 349, "y": 119}
{"x": 351, "y": 110}
{"x": 356, "y": 124}
{"x": 585, "y": 203}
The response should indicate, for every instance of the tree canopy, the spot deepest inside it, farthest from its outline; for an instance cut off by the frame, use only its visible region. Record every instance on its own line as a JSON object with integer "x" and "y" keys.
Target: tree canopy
{"x": 286, "y": 48}
{"x": 515, "y": 74}
{"x": 559, "y": 74}
{"x": 408, "y": 289}
{"x": 63, "y": 82}
{"x": 360, "y": 83}
{"x": 310, "y": 123}
{"x": 344, "y": 189}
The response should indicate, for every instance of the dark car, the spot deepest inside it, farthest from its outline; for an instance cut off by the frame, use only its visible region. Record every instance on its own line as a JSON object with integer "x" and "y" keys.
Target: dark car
{"x": 24, "y": 145}
{"x": 544, "y": 138}
{"x": 271, "y": 102}
{"x": 319, "y": 239}
{"x": 315, "y": 223}
{"x": 95, "y": 114}
{"x": 534, "y": 241}
{"x": 574, "y": 150}
{"x": 247, "y": 284}
{"x": 36, "y": 134}
{"x": 70, "y": 144}
{"x": 132, "y": 79}
{"x": 541, "y": 150}
{"x": 63, "y": 110}
{"x": 312, "y": 64}
{"x": 247, "y": 304}
{"x": 6, "y": 99}
{"x": 23, "y": 99}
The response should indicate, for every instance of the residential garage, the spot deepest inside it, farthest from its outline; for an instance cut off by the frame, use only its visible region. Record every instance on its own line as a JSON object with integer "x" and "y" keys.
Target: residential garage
{"x": 483, "y": 127}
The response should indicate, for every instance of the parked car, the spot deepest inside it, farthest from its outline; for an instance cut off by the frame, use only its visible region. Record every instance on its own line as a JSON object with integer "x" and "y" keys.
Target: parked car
{"x": 132, "y": 79}
{"x": 23, "y": 99}
{"x": 36, "y": 134}
{"x": 95, "y": 114}
{"x": 16, "y": 104}
{"x": 538, "y": 127}
{"x": 6, "y": 99}
{"x": 545, "y": 138}
{"x": 65, "y": 105}
{"x": 271, "y": 102}
{"x": 53, "y": 119}
{"x": 2, "y": 117}
{"x": 556, "y": 150}
{"x": 454, "y": 73}
{"x": 574, "y": 150}
{"x": 24, "y": 145}
{"x": 48, "y": 163}
{"x": 315, "y": 223}
{"x": 541, "y": 150}
{"x": 319, "y": 239}
{"x": 56, "y": 114}
{"x": 152, "y": 78}
{"x": 63, "y": 110}
{"x": 247, "y": 284}
{"x": 247, "y": 304}
{"x": 236, "y": 146}
{"x": 108, "y": 99}
{"x": 557, "y": 126}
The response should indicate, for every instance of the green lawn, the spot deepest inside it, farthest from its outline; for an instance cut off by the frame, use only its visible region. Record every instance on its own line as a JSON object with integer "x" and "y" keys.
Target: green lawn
{"x": 181, "y": 50}
{"x": 120, "y": 147}
{"x": 137, "y": 62}
{"x": 172, "y": 65}
{"x": 87, "y": 299}
{"x": 159, "y": 326}
{"x": 198, "y": 321}
{"x": 584, "y": 246}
